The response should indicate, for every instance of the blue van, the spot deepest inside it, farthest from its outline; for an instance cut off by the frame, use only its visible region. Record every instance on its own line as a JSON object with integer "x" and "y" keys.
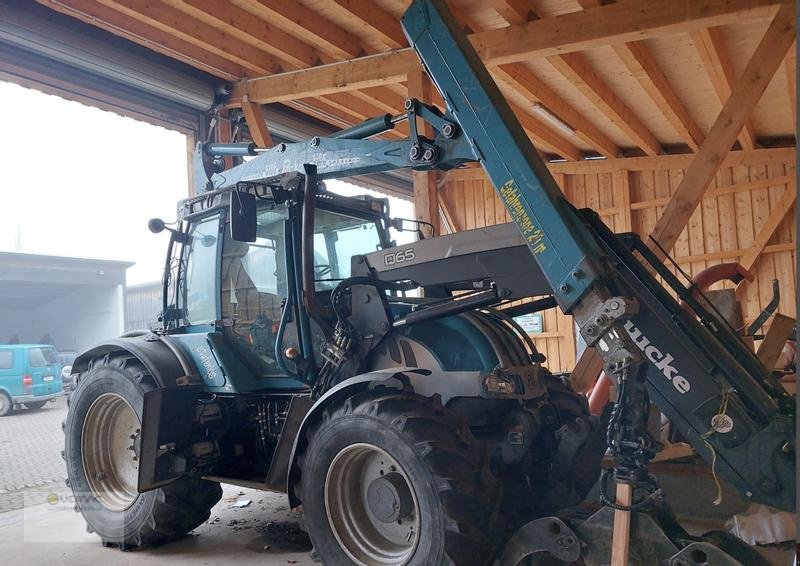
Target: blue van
{"x": 30, "y": 375}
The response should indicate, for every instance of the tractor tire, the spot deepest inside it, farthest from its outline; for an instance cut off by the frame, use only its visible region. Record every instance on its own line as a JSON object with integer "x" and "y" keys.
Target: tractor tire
{"x": 396, "y": 479}
{"x": 102, "y": 432}
{"x": 6, "y": 405}
{"x": 35, "y": 405}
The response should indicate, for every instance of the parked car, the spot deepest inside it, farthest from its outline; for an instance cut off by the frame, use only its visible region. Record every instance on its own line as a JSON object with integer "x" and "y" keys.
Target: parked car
{"x": 30, "y": 375}
{"x": 65, "y": 358}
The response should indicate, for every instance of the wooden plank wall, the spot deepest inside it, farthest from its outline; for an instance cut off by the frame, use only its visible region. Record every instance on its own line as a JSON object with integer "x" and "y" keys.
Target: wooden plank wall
{"x": 721, "y": 230}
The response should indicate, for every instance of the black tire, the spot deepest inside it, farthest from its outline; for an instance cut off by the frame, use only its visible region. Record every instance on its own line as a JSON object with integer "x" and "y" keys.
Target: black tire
{"x": 35, "y": 405}
{"x": 154, "y": 517}
{"x": 6, "y": 405}
{"x": 448, "y": 471}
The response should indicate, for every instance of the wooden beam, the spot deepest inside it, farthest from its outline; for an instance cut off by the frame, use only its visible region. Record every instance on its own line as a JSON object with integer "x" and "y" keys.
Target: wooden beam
{"x": 381, "y": 21}
{"x": 577, "y": 69}
{"x": 256, "y": 123}
{"x": 622, "y": 180}
{"x": 447, "y": 214}
{"x": 790, "y": 66}
{"x": 781, "y": 210}
{"x": 770, "y": 156}
{"x": 307, "y": 25}
{"x": 240, "y": 24}
{"x": 543, "y": 137}
{"x": 708, "y": 43}
{"x": 779, "y": 331}
{"x": 627, "y": 20}
{"x": 426, "y": 188}
{"x": 151, "y": 37}
{"x": 514, "y": 11}
{"x": 744, "y": 97}
{"x": 642, "y": 65}
{"x": 199, "y": 33}
{"x": 529, "y": 85}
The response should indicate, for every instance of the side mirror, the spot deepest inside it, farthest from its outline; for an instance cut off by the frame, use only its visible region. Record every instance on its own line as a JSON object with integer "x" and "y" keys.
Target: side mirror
{"x": 242, "y": 216}
{"x": 156, "y": 225}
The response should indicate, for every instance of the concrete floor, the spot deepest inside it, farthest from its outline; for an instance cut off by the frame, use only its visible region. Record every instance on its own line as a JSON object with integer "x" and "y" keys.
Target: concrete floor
{"x": 264, "y": 533}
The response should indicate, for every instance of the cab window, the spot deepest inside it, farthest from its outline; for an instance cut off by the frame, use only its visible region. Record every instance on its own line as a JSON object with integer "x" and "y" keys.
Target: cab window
{"x": 254, "y": 288}
{"x": 200, "y": 275}
{"x": 337, "y": 238}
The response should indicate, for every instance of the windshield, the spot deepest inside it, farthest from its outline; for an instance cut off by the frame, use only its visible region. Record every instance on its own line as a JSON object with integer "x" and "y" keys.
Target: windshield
{"x": 337, "y": 238}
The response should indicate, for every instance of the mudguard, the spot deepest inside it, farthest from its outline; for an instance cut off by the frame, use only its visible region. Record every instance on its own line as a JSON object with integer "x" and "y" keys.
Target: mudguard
{"x": 162, "y": 359}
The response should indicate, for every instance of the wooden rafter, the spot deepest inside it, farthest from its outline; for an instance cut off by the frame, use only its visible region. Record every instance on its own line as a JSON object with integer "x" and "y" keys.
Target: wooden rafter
{"x": 527, "y": 83}
{"x": 644, "y": 68}
{"x": 307, "y": 25}
{"x": 708, "y": 43}
{"x": 578, "y": 70}
{"x": 197, "y": 32}
{"x": 381, "y": 21}
{"x": 628, "y": 20}
{"x": 522, "y": 79}
{"x": 745, "y": 95}
{"x": 156, "y": 39}
{"x": 236, "y": 22}
{"x": 514, "y": 11}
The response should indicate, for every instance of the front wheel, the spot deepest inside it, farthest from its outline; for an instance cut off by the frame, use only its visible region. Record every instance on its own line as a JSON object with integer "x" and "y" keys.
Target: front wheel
{"x": 103, "y": 432}
{"x": 396, "y": 480}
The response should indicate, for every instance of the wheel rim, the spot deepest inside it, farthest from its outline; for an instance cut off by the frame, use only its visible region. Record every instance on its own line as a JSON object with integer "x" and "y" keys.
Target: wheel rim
{"x": 109, "y": 448}
{"x": 371, "y": 506}
{"x": 4, "y": 403}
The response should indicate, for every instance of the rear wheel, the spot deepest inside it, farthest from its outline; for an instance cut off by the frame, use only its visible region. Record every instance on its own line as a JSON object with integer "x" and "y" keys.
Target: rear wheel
{"x": 5, "y": 404}
{"x": 35, "y": 405}
{"x": 103, "y": 430}
{"x": 396, "y": 480}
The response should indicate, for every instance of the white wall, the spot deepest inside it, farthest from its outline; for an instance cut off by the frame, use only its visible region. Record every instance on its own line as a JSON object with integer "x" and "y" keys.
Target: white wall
{"x": 75, "y": 321}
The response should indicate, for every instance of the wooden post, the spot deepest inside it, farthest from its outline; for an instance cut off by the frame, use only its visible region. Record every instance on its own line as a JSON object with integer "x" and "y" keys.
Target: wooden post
{"x": 426, "y": 187}
{"x": 256, "y": 123}
{"x": 620, "y": 543}
{"x": 223, "y": 133}
{"x": 779, "y": 331}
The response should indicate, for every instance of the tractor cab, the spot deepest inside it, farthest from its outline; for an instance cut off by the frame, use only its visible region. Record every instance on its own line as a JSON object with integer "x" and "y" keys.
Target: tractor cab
{"x": 234, "y": 278}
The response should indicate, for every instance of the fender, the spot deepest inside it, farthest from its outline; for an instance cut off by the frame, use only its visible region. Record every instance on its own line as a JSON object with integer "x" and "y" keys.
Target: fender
{"x": 162, "y": 358}
{"x": 392, "y": 378}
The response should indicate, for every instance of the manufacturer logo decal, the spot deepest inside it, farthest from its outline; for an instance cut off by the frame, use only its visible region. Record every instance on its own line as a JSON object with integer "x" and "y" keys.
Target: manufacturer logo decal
{"x": 401, "y": 256}
{"x": 207, "y": 361}
{"x": 661, "y": 360}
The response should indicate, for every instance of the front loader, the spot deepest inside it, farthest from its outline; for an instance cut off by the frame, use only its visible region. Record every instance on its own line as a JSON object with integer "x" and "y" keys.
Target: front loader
{"x": 294, "y": 353}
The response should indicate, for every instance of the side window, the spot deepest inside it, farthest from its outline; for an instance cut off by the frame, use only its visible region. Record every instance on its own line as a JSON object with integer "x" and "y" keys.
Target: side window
{"x": 200, "y": 272}
{"x": 41, "y": 357}
{"x": 6, "y": 359}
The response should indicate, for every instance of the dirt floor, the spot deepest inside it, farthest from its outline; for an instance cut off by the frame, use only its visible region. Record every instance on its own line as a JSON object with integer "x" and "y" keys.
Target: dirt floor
{"x": 39, "y": 526}
{"x": 264, "y": 532}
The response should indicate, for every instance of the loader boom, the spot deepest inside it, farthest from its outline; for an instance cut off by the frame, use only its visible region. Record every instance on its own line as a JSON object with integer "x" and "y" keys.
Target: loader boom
{"x": 712, "y": 387}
